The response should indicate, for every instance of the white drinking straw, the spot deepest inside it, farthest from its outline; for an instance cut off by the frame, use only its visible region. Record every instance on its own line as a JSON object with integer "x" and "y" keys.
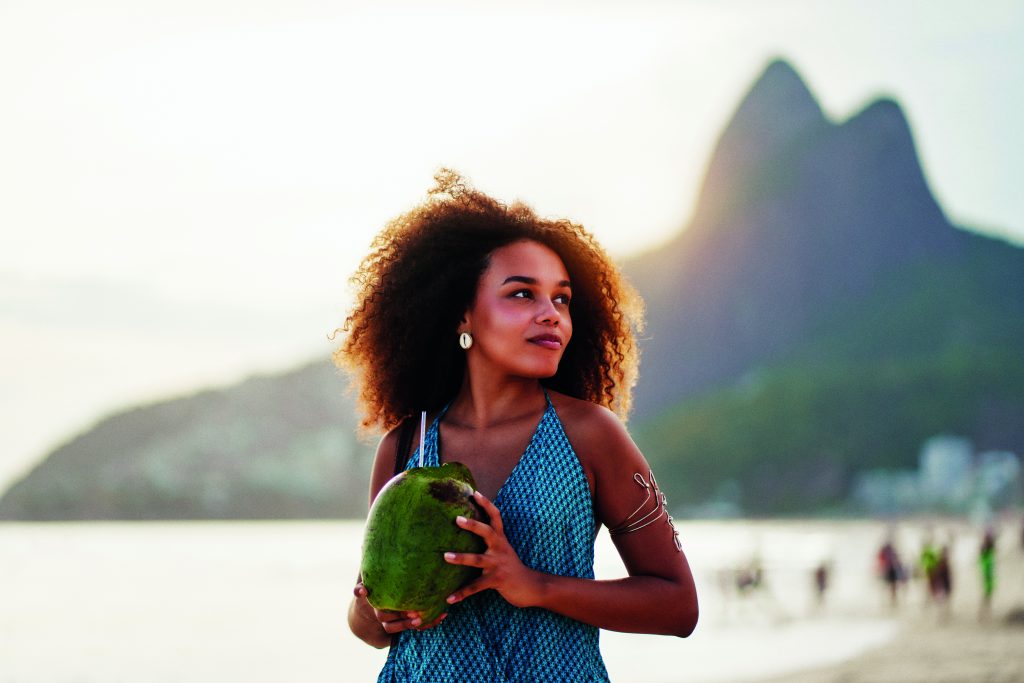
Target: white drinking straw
{"x": 423, "y": 434}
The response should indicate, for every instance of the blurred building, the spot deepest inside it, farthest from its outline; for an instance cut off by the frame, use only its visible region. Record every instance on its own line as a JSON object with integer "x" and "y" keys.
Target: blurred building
{"x": 944, "y": 471}
{"x": 950, "y": 478}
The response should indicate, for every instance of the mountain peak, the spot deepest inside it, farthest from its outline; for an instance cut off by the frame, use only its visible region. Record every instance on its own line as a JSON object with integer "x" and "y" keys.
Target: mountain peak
{"x": 778, "y": 105}
{"x": 780, "y": 91}
{"x": 884, "y": 116}
{"x": 776, "y": 110}
{"x": 796, "y": 212}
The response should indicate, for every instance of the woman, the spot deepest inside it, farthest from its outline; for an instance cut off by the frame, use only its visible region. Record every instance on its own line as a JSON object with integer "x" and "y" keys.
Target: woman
{"x": 515, "y": 333}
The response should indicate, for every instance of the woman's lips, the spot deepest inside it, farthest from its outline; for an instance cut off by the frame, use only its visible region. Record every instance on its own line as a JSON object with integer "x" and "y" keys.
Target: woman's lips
{"x": 547, "y": 341}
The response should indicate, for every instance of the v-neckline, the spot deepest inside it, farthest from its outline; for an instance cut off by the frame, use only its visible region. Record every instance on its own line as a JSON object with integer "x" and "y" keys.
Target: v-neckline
{"x": 522, "y": 456}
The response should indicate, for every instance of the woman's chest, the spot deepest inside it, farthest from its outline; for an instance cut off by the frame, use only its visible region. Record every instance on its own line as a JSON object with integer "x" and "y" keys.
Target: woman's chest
{"x": 492, "y": 458}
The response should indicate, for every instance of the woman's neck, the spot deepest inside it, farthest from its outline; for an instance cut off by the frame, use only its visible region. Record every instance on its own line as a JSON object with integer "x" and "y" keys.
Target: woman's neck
{"x": 483, "y": 403}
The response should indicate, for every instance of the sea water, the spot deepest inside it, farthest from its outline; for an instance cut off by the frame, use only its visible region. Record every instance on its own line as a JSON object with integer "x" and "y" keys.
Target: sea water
{"x": 208, "y": 602}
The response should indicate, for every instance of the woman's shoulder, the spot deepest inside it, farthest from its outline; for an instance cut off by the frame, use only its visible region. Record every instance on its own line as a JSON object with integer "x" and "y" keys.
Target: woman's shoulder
{"x": 593, "y": 430}
{"x": 391, "y": 450}
{"x": 577, "y": 410}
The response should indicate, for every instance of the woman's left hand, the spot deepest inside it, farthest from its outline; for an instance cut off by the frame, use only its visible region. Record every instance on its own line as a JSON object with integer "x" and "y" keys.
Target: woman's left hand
{"x": 502, "y": 569}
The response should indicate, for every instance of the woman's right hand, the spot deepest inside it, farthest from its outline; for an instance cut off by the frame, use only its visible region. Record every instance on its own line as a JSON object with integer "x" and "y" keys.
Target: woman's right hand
{"x": 395, "y": 622}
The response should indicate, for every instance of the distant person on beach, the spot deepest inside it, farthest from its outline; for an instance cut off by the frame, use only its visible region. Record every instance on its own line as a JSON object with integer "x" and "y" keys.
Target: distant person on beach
{"x": 891, "y": 570}
{"x": 516, "y": 335}
{"x": 750, "y": 577}
{"x": 941, "y": 584}
{"x": 987, "y": 564}
{"x": 821, "y": 577}
{"x": 928, "y": 563}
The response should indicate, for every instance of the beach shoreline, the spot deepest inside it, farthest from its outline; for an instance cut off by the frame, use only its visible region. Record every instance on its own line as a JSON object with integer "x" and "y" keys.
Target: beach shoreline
{"x": 946, "y": 644}
{"x": 215, "y": 601}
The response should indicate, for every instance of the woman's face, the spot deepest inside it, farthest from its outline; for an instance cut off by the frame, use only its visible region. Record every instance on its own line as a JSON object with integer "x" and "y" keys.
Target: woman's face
{"x": 520, "y": 317}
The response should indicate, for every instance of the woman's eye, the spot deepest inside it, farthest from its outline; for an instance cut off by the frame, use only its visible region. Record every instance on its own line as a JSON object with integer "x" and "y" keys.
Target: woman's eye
{"x": 561, "y": 299}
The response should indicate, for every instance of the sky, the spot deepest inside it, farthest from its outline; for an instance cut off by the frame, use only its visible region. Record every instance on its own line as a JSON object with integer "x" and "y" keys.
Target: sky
{"x": 186, "y": 185}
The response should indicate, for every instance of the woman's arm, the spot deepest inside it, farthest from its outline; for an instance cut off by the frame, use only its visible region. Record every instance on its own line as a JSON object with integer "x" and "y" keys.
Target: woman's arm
{"x": 658, "y": 596}
{"x": 363, "y": 621}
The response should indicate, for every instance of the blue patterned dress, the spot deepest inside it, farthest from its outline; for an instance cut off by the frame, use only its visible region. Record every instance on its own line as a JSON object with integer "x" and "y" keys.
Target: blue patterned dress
{"x": 549, "y": 519}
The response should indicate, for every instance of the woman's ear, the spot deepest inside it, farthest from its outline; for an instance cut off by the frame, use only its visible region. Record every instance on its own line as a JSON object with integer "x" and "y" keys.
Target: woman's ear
{"x": 465, "y": 332}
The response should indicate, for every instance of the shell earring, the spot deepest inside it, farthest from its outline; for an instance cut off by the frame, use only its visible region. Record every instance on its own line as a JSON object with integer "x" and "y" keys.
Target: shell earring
{"x": 465, "y": 340}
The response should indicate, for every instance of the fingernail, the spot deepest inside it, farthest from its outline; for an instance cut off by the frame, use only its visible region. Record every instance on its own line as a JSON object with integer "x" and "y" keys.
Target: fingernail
{"x": 416, "y": 622}
{"x": 451, "y": 600}
{"x": 449, "y": 556}
{"x": 460, "y": 519}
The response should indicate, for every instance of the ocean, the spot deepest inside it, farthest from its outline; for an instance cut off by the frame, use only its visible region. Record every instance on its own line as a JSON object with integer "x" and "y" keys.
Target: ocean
{"x": 209, "y": 602}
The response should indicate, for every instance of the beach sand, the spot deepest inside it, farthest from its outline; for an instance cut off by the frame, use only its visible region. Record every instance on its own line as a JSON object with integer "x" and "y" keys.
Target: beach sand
{"x": 934, "y": 646}
{"x": 958, "y": 652}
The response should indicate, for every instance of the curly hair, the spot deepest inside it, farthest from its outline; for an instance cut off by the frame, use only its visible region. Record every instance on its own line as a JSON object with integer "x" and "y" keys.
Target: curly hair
{"x": 421, "y": 276}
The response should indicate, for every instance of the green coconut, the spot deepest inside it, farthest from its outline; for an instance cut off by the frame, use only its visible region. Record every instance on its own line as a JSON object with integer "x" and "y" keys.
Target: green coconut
{"x": 410, "y": 526}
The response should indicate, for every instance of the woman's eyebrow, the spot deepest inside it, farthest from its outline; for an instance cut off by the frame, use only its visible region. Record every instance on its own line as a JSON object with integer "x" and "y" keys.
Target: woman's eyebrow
{"x": 526, "y": 280}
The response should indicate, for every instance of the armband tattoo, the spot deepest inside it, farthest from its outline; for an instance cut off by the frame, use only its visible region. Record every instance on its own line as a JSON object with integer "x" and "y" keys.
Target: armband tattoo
{"x": 649, "y": 511}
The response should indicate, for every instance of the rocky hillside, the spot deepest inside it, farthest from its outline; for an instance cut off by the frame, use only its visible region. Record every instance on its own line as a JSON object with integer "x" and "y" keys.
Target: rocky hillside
{"x": 820, "y": 315}
{"x": 279, "y": 446}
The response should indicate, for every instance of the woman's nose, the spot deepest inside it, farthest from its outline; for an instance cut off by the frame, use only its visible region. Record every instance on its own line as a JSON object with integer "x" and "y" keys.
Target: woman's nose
{"x": 549, "y": 314}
